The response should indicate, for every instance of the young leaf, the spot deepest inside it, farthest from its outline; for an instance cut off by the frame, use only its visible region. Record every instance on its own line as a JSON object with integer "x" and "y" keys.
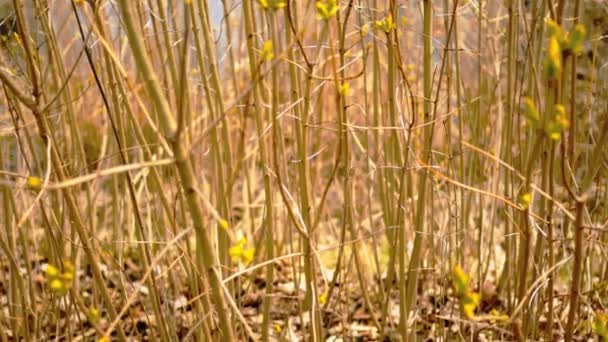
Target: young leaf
{"x": 469, "y": 303}
{"x": 531, "y": 112}
{"x": 386, "y": 24}
{"x": 224, "y": 224}
{"x": 326, "y": 9}
{"x": 553, "y": 63}
{"x": 461, "y": 280}
{"x": 344, "y": 89}
{"x": 34, "y": 183}
{"x": 525, "y": 199}
{"x": 268, "y": 51}
{"x": 600, "y": 325}
{"x": 560, "y": 117}
{"x": 272, "y": 4}
{"x": 240, "y": 254}
{"x": 576, "y": 39}
{"x": 555, "y": 31}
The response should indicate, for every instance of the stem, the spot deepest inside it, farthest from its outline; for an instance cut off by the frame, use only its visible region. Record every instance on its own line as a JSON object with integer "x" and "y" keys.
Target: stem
{"x": 184, "y": 167}
{"x": 576, "y": 270}
{"x": 412, "y": 275}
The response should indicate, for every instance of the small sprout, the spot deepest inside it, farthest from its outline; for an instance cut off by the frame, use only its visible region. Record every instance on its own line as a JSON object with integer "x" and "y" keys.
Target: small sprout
{"x": 268, "y": 51}
{"x": 553, "y": 63}
{"x": 51, "y": 271}
{"x": 344, "y": 89}
{"x": 17, "y": 38}
{"x": 277, "y": 328}
{"x": 553, "y": 131}
{"x": 461, "y": 280}
{"x": 93, "y": 315}
{"x": 68, "y": 276}
{"x": 57, "y": 285}
{"x": 69, "y": 268}
{"x": 562, "y": 43}
{"x": 576, "y": 39}
{"x": 60, "y": 282}
{"x": 531, "y": 112}
{"x": 34, "y": 183}
{"x": 560, "y": 117}
{"x": 326, "y": 9}
{"x": 600, "y": 286}
{"x": 600, "y": 325}
{"x": 247, "y": 256}
{"x": 273, "y": 4}
{"x": 469, "y": 302}
{"x": 323, "y": 298}
{"x": 498, "y": 316}
{"x": 224, "y": 224}
{"x": 365, "y": 30}
{"x": 104, "y": 339}
{"x": 558, "y": 124}
{"x": 239, "y": 253}
{"x": 555, "y": 31}
{"x": 525, "y": 199}
{"x": 386, "y": 24}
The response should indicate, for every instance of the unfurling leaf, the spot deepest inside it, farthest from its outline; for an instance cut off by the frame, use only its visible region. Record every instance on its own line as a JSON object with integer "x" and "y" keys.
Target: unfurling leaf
{"x": 224, "y": 224}
{"x": 344, "y": 89}
{"x": 60, "y": 282}
{"x": 553, "y": 63}
{"x": 34, "y": 183}
{"x": 268, "y": 51}
{"x": 469, "y": 302}
{"x": 576, "y": 39}
{"x": 326, "y": 9}
{"x": 240, "y": 253}
{"x": 272, "y": 4}
{"x": 600, "y": 325}
{"x": 461, "y": 280}
{"x": 386, "y": 24}
{"x": 558, "y": 123}
{"x": 531, "y": 112}
{"x": 555, "y": 31}
{"x": 525, "y": 199}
